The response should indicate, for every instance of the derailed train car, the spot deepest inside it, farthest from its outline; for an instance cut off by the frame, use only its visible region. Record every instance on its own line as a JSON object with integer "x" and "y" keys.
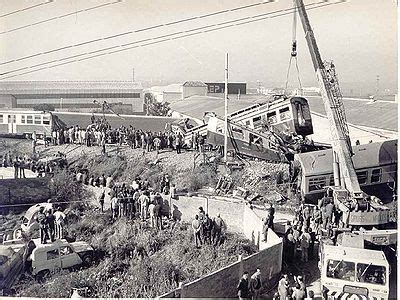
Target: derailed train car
{"x": 375, "y": 165}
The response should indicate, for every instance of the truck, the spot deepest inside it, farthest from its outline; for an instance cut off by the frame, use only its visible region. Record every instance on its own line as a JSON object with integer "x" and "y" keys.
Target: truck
{"x": 357, "y": 262}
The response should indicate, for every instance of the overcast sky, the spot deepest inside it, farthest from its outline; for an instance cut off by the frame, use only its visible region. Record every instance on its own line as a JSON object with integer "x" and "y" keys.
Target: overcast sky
{"x": 359, "y": 35}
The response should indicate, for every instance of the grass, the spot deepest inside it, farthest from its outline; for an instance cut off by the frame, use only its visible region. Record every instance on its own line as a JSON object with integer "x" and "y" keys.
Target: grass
{"x": 121, "y": 272}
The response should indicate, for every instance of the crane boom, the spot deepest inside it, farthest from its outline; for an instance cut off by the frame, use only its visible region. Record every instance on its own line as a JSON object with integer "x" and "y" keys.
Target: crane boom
{"x": 345, "y": 175}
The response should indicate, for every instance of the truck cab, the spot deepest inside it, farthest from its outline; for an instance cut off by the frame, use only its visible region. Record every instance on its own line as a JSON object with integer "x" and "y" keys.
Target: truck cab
{"x": 44, "y": 258}
{"x": 347, "y": 271}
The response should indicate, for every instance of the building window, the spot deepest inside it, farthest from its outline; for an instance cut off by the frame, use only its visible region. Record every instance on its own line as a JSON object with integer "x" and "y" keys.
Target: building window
{"x": 29, "y": 119}
{"x": 23, "y": 119}
{"x": 340, "y": 269}
{"x": 46, "y": 120}
{"x": 362, "y": 177}
{"x": 38, "y": 119}
{"x": 284, "y": 114}
{"x": 1, "y": 119}
{"x": 52, "y": 254}
{"x": 376, "y": 175}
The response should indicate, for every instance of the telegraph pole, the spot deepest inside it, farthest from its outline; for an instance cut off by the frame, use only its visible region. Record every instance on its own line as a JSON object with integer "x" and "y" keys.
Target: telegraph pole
{"x": 226, "y": 110}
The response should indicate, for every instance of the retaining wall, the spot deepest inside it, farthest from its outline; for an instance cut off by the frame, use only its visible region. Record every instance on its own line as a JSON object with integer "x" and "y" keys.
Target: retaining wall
{"x": 223, "y": 282}
{"x": 21, "y": 191}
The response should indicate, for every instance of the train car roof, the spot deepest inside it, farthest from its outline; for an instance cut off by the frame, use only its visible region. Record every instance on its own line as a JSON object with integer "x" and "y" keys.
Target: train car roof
{"x": 365, "y": 156}
{"x": 152, "y": 123}
{"x": 22, "y": 111}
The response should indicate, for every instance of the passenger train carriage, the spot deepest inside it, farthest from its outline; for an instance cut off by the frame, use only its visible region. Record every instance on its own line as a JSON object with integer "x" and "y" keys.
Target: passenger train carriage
{"x": 282, "y": 115}
{"x": 24, "y": 123}
{"x": 375, "y": 165}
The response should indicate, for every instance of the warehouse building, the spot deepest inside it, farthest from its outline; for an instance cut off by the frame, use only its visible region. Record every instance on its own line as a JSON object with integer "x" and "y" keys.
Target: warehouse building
{"x": 71, "y": 95}
{"x": 175, "y": 92}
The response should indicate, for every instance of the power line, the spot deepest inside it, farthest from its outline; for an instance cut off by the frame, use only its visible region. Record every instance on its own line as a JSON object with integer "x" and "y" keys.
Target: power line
{"x": 60, "y": 17}
{"x": 138, "y": 30}
{"x": 152, "y": 43}
{"x": 26, "y": 8}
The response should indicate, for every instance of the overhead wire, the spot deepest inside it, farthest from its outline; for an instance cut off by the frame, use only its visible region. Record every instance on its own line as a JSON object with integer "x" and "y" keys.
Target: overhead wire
{"x": 60, "y": 17}
{"x": 138, "y": 30}
{"x": 26, "y": 8}
{"x": 163, "y": 38}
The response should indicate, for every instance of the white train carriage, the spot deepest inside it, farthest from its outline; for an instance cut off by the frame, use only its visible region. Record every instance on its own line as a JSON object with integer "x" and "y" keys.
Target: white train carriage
{"x": 24, "y": 123}
{"x": 375, "y": 165}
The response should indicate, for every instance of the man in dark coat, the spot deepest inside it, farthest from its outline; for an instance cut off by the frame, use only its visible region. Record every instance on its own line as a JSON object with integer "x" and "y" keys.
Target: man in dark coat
{"x": 243, "y": 287}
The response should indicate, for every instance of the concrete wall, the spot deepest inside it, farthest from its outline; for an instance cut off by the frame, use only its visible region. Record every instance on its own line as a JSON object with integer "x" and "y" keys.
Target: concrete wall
{"x": 240, "y": 218}
{"x": 222, "y": 283}
{"x": 21, "y": 191}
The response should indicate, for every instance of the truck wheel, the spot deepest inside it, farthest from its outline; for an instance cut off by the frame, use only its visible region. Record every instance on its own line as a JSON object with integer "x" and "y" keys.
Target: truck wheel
{"x": 87, "y": 260}
{"x": 42, "y": 275}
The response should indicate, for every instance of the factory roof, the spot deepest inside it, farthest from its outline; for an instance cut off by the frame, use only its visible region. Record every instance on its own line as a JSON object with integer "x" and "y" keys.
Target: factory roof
{"x": 195, "y": 84}
{"x": 54, "y": 87}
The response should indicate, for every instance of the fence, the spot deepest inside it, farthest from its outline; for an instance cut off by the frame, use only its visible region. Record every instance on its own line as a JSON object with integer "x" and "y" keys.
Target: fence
{"x": 222, "y": 283}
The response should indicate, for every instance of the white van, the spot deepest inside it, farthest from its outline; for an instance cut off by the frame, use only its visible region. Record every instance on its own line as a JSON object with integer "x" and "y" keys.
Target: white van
{"x": 57, "y": 255}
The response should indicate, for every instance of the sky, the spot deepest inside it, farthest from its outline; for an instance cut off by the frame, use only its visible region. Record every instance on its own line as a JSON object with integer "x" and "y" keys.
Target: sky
{"x": 360, "y": 36}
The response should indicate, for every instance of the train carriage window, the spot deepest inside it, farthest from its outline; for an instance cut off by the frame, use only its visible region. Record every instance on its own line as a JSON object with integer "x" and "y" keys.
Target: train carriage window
{"x": 237, "y": 131}
{"x": 332, "y": 181}
{"x": 46, "y": 120}
{"x": 271, "y": 117}
{"x": 23, "y": 119}
{"x": 284, "y": 113}
{"x": 376, "y": 175}
{"x": 248, "y": 123}
{"x": 29, "y": 119}
{"x": 38, "y": 119}
{"x": 370, "y": 273}
{"x": 362, "y": 177}
{"x": 317, "y": 183}
{"x": 1, "y": 119}
{"x": 257, "y": 122}
{"x": 340, "y": 269}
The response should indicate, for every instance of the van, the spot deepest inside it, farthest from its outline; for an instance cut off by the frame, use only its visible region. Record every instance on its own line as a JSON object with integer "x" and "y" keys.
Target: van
{"x": 60, "y": 254}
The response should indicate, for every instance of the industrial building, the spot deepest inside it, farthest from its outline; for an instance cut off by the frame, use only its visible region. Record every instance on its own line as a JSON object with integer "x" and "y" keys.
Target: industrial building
{"x": 67, "y": 95}
{"x": 175, "y": 92}
{"x": 233, "y": 88}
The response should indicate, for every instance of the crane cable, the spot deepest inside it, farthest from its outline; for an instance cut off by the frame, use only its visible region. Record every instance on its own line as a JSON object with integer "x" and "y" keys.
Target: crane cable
{"x": 293, "y": 54}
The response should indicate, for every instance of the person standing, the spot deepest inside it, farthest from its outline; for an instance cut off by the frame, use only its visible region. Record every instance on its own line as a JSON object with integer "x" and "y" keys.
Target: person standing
{"x": 243, "y": 286}
{"x": 255, "y": 284}
{"x": 305, "y": 240}
{"x": 151, "y": 213}
{"x": 101, "y": 199}
{"x": 50, "y": 223}
{"x": 22, "y": 168}
{"x": 16, "y": 167}
{"x": 217, "y": 230}
{"x": 196, "y": 225}
{"x": 114, "y": 206}
{"x": 283, "y": 288}
{"x": 207, "y": 228}
{"x": 298, "y": 294}
{"x": 144, "y": 202}
{"x": 59, "y": 221}
{"x": 41, "y": 219}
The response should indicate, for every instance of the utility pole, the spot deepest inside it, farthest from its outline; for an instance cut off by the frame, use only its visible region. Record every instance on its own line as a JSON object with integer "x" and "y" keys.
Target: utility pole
{"x": 226, "y": 110}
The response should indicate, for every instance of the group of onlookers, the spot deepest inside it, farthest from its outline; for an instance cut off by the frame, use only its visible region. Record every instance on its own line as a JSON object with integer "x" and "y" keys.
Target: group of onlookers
{"x": 100, "y": 133}
{"x": 207, "y": 230}
{"x": 50, "y": 224}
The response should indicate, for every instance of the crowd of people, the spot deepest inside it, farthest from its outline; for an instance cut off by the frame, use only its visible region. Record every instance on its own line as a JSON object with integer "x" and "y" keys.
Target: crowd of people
{"x": 50, "y": 224}
{"x": 100, "y": 133}
{"x": 25, "y": 162}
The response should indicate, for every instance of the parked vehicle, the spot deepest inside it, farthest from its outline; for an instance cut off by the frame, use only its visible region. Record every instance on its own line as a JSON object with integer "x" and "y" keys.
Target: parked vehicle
{"x": 44, "y": 258}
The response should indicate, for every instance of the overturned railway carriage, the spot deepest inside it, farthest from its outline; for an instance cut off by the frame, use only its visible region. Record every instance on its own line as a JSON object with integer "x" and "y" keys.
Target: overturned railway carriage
{"x": 244, "y": 141}
{"x": 24, "y": 123}
{"x": 375, "y": 165}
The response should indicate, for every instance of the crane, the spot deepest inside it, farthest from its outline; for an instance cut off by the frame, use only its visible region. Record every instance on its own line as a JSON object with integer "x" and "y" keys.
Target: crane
{"x": 355, "y": 205}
